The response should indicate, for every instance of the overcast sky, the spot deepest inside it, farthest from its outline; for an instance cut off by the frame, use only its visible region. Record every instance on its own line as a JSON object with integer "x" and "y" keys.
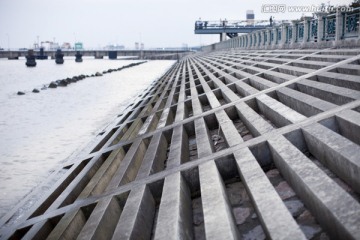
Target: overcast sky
{"x": 96, "y": 23}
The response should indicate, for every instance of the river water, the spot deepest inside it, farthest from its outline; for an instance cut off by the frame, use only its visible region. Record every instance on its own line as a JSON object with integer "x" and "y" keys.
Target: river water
{"x": 39, "y": 131}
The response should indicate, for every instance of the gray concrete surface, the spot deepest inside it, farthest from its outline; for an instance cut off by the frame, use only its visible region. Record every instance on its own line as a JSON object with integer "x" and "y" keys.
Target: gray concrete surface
{"x": 226, "y": 145}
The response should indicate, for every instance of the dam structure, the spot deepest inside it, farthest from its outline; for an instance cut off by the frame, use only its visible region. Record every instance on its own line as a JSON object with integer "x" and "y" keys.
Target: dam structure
{"x": 237, "y": 143}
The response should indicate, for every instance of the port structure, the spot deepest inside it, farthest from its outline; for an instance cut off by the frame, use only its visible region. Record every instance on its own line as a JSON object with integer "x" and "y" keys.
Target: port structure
{"x": 229, "y": 28}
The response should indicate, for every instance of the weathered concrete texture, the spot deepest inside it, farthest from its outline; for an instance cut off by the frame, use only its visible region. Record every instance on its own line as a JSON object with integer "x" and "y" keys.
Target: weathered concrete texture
{"x": 336, "y": 210}
{"x": 219, "y": 219}
{"x": 277, "y": 221}
{"x": 175, "y": 215}
{"x": 226, "y": 145}
{"x": 137, "y": 217}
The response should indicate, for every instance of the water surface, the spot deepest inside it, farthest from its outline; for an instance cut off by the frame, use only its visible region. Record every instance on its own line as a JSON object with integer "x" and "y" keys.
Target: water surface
{"x": 39, "y": 131}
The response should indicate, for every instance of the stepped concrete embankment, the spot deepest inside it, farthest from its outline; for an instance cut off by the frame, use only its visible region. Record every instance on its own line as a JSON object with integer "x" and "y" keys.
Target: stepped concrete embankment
{"x": 227, "y": 144}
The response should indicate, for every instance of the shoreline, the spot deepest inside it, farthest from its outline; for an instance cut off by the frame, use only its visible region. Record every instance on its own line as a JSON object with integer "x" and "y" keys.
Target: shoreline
{"x": 57, "y": 172}
{"x": 237, "y": 143}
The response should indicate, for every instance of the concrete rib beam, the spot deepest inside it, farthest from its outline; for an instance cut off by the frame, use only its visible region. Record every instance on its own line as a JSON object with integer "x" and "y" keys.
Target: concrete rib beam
{"x": 276, "y": 112}
{"x": 154, "y": 157}
{"x": 166, "y": 116}
{"x": 230, "y": 132}
{"x": 129, "y": 166}
{"x": 203, "y": 138}
{"x": 103, "y": 176}
{"x": 276, "y": 220}
{"x": 302, "y": 103}
{"x": 137, "y": 217}
{"x": 349, "y": 124}
{"x": 175, "y": 212}
{"x": 245, "y": 89}
{"x": 334, "y": 151}
{"x": 256, "y": 124}
{"x": 333, "y": 94}
{"x": 102, "y": 222}
{"x": 69, "y": 226}
{"x": 149, "y": 124}
{"x": 218, "y": 216}
{"x": 180, "y": 112}
{"x": 179, "y": 149}
{"x": 335, "y": 209}
{"x": 340, "y": 79}
{"x": 261, "y": 83}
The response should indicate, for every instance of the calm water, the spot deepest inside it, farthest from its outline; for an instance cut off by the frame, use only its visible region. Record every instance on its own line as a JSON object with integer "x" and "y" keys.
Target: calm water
{"x": 40, "y": 131}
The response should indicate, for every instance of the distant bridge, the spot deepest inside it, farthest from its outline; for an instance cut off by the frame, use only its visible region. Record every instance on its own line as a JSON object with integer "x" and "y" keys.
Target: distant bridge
{"x": 230, "y": 28}
{"x": 99, "y": 54}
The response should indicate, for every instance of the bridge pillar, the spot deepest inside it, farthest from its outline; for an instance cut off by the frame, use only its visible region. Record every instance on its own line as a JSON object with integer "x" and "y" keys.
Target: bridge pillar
{"x": 78, "y": 57}
{"x": 59, "y": 57}
{"x": 13, "y": 55}
{"x": 30, "y": 59}
{"x": 112, "y": 54}
{"x": 222, "y": 36}
{"x": 98, "y": 55}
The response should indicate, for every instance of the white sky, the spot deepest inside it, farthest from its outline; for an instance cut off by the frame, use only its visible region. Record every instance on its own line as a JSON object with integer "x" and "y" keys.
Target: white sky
{"x": 96, "y": 23}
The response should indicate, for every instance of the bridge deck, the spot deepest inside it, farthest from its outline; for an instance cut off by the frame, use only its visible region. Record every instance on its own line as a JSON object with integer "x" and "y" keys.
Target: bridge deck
{"x": 143, "y": 54}
{"x": 217, "y": 27}
{"x": 225, "y": 145}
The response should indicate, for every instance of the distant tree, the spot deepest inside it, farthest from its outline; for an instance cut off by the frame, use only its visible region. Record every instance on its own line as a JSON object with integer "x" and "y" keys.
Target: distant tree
{"x": 355, "y": 4}
{"x": 327, "y": 8}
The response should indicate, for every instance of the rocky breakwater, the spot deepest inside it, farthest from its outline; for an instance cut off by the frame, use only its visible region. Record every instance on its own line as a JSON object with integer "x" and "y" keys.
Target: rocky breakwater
{"x": 65, "y": 82}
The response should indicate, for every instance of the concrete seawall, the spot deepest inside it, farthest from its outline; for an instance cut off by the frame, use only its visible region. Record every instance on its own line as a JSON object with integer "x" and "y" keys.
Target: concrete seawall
{"x": 226, "y": 145}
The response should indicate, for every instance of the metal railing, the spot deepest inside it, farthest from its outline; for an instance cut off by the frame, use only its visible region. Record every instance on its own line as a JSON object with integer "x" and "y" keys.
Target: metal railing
{"x": 329, "y": 27}
{"x": 312, "y": 30}
{"x": 288, "y": 34}
{"x": 233, "y": 24}
{"x": 324, "y": 30}
{"x": 350, "y": 26}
